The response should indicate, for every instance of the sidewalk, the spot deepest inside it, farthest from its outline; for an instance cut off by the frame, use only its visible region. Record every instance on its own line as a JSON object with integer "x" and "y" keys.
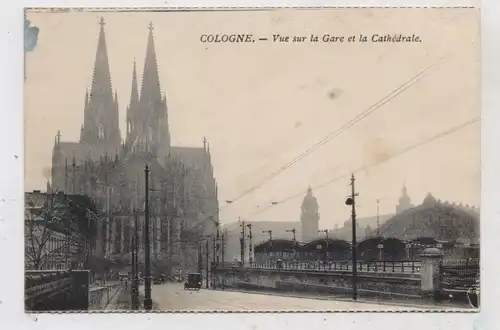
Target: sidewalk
{"x": 121, "y": 301}
{"x": 388, "y": 302}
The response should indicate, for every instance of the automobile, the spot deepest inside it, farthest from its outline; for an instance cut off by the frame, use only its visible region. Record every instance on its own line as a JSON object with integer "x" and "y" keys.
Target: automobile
{"x": 193, "y": 281}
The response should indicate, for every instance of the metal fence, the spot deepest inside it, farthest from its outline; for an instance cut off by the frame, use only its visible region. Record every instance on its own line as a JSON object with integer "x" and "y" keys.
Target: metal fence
{"x": 362, "y": 266}
{"x": 459, "y": 274}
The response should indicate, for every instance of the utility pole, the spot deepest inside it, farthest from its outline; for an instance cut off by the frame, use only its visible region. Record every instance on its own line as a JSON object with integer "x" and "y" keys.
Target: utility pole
{"x": 270, "y": 233}
{"x": 108, "y": 223}
{"x": 206, "y": 265}
{"x": 326, "y": 244}
{"x": 352, "y": 202}
{"x": 199, "y": 259}
{"x": 74, "y": 174}
{"x": 222, "y": 247}
{"x": 132, "y": 253}
{"x": 217, "y": 238}
{"x": 250, "y": 249}
{"x": 148, "y": 303}
{"x": 135, "y": 248}
{"x": 295, "y": 241}
{"x": 132, "y": 282}
{"x": 242, "y": 243}
{"x": 214, "y": 248}
{"x": 378, "y": 217}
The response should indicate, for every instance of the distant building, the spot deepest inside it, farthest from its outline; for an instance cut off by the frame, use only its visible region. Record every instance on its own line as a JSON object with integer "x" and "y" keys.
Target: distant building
{"x": 309, "y": 217}
{"x": 438, "y": 220}
{"x": 232, "y": 235}
{"x": 404, "y": 202}
{"x": 365, "y": 226}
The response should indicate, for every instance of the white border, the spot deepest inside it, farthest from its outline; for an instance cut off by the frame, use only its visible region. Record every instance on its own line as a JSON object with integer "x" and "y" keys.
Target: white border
{"x": 11, "y": 194}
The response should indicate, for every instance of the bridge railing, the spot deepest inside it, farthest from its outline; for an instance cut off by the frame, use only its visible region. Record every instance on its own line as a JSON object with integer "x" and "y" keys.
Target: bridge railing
{"x": 100, "y": 297}
{"x": 362, "y": 266}
{"x": 56, "y": 290}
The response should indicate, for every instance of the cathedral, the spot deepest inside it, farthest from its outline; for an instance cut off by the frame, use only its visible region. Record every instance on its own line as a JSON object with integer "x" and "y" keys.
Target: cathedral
{"x": 183, "y": 200}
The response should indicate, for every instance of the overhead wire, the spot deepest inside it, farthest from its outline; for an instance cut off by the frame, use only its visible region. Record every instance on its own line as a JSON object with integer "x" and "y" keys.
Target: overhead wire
{"x": 377, "y": 105}
{"x": 389, "y": 97}
{"x": 381, "y": 161}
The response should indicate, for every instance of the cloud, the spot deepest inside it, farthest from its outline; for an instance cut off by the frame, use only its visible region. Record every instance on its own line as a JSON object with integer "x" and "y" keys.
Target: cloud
{"x": 30, "y": 36}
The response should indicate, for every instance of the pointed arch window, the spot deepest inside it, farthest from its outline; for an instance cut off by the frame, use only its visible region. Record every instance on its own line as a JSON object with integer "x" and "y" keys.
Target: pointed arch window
{"x": 100, "y": 132}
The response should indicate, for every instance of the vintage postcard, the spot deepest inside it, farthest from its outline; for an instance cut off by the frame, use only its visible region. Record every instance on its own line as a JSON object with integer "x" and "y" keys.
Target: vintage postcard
{"x": 252, "y": 160}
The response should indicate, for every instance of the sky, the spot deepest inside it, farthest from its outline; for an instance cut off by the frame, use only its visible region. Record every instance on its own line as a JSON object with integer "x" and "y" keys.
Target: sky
{"x": 262, "y": 104}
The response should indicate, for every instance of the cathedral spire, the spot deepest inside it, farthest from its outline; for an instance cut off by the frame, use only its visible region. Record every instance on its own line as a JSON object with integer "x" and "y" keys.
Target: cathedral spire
{"x": 132, "y": 109}
{"x": 134, "y": 95}
{"x": 150, "y": 89}
{"x": 152, "y": 123}
{"x": 101, "y": 80}
{"x": 101, "y": 114}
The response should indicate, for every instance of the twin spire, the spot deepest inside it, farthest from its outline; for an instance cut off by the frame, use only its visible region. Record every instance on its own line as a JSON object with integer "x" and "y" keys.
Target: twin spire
{"x": 146, "y": 113}
{"x": 150, "y": 86}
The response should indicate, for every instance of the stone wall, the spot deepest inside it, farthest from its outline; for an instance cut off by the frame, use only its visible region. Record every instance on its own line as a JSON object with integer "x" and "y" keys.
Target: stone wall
{"x": 337, "y": 283}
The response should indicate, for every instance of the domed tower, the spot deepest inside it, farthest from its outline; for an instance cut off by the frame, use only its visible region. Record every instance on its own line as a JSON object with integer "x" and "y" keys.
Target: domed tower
{"x": 404, "y": 202}
{"x": 309, "y": 217}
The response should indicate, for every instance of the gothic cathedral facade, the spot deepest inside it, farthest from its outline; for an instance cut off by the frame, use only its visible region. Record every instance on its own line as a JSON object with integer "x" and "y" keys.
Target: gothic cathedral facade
{"x": 183, "y": 200}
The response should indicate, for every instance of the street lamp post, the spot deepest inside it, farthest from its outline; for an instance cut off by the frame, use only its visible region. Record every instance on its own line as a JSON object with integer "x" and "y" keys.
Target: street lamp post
{"x": 206, "y": 263}
{"x": 293, "y": 232}
{"x": 134, "y": 271}
{"x": 351, "y": 200}
{"x": 250, "y": 250}
{"x": 326, "y": 244}
{"x": 294, "y": 241}
{"x": 222, "y": 247}
{"x": 270, "y": 232}
{"x": 242, "y": 243}
{"x": 148, "y": 303}
{"x": 200, "y": 267}
{"x": 136, "y": 257}
{"x": 380, "y": 247}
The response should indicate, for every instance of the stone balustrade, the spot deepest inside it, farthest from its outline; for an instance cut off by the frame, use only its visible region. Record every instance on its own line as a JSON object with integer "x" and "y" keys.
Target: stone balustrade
{"x": 421, "y": 279}
{"x": 100, "y": 297}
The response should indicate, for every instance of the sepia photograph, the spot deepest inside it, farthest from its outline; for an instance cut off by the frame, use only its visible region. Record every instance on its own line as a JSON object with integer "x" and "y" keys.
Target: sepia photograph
{"x": 267, "y": 160}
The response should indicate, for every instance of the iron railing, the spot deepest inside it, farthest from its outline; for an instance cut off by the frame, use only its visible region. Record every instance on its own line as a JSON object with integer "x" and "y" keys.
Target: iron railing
{"x": 341, "y": 266}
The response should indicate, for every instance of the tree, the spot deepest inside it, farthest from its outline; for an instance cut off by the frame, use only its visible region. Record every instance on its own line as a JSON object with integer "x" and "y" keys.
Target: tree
{"x": 51, "y": 232}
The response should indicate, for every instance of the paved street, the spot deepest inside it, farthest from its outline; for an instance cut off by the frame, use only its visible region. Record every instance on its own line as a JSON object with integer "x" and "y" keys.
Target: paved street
{"x": 173, "y": 297}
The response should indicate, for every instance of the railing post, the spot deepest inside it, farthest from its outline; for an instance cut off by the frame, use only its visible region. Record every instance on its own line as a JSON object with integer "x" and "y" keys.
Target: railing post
{"x": 430, "y": 273}
{"x": 80, "y": 290}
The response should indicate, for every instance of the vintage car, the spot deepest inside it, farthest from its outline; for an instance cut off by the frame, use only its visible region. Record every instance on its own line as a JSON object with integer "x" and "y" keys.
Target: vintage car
{"x": 193, "y": 281}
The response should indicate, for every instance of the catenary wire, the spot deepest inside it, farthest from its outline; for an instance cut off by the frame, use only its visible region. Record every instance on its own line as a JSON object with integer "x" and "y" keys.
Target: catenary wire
{"x": 363, "y": 168}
